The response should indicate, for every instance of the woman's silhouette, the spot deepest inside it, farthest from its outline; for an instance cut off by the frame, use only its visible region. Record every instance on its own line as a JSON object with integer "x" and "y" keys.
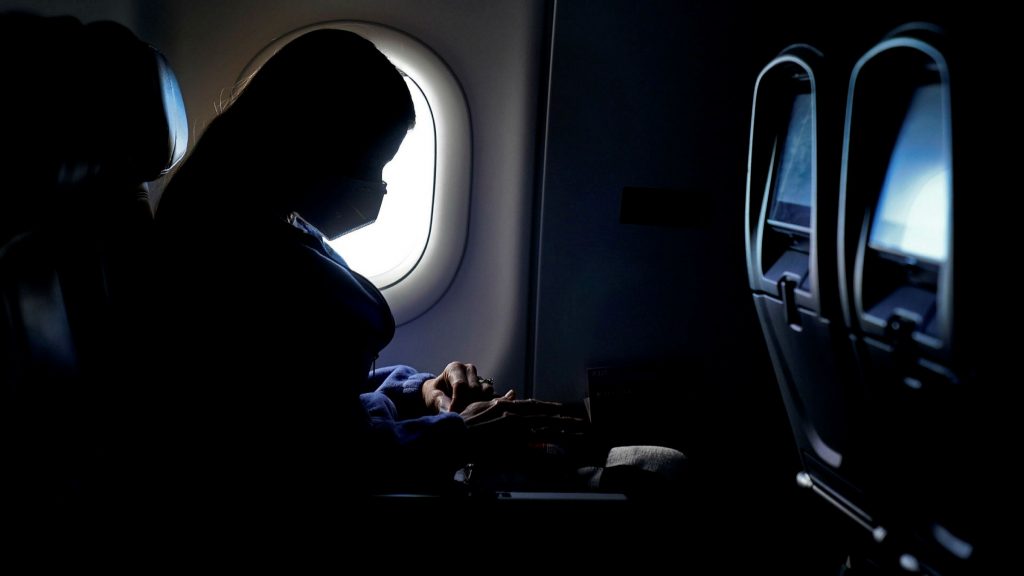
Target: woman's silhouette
{"x": 269, "y": 335}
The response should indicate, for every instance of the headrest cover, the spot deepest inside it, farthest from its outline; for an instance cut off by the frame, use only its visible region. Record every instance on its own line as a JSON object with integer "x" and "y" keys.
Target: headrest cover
{"x": 132, "y": 124}
{"x": 89, "y": 113}
{"x": 85, "y": 103}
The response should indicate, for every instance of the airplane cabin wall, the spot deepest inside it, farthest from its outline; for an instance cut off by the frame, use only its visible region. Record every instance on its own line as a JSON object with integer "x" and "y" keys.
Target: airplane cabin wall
{"x": 652, "y": 95}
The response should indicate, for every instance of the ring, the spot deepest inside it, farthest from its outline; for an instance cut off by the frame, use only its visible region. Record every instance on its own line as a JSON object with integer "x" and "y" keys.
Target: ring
{"x": 485, "y": 381}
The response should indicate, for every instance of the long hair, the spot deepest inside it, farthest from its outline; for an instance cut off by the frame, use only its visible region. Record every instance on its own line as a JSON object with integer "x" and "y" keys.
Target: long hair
{"x": 322, "y": 100}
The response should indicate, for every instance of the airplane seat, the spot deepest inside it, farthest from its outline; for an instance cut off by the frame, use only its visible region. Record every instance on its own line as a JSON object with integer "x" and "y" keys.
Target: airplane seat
{"x": 898, "y": 238}
{"x": 791, "y": 214}
{"x": 94, "y": 113}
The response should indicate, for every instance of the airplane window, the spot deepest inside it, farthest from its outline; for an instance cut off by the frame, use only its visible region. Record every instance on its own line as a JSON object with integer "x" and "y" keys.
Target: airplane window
{"x": 387, "y": 249}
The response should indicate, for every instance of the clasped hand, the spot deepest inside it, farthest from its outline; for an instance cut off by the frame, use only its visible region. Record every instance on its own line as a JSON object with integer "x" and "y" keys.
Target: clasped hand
{"x": 455, "y": 388}
{"x": 497, "y": 420}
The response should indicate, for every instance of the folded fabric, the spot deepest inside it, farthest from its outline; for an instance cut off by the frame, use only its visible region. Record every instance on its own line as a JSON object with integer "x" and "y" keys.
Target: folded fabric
{"x": 658, "y": 459}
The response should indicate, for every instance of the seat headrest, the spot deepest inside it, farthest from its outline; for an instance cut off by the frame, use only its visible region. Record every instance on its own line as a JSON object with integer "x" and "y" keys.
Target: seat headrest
{"x": 86, "y": 109}
{"x": 132, "y": 123}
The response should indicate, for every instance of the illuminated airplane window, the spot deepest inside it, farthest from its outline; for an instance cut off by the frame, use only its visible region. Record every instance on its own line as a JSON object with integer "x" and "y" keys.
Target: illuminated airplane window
{"x": 387, "y": 249}
{"x": 408, "y": 253}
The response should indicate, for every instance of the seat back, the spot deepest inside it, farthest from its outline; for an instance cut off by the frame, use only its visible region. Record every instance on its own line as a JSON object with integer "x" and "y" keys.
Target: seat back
{"x": 99, "y": 114}
{"x": 898, "y": 239}
{"x": 855, "y": 288}
{"x": 791, "y": 213}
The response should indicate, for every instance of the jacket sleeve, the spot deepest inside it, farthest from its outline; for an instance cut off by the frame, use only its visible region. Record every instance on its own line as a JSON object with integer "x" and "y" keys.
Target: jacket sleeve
{"x": 421, "y": 448}
{"x": 402, "y": 385}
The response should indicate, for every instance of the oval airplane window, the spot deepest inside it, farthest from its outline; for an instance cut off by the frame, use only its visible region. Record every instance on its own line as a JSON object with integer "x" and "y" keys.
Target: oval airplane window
{"x": 407, "y": 252}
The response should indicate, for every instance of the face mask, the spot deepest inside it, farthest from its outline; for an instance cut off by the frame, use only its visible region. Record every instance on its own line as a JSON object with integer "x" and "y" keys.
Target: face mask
{"x": 343, "y": 205}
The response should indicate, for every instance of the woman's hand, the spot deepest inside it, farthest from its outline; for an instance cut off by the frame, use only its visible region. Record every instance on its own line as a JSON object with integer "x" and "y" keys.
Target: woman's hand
{"x": 455, "y": 388}
{"x": 485, "y": 410}
{"x": 502, "y": 424}
{"x": 507, "y": 407}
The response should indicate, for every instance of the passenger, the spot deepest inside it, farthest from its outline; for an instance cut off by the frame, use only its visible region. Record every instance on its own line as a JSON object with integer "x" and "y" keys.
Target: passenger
{"x": 270, "y": 334}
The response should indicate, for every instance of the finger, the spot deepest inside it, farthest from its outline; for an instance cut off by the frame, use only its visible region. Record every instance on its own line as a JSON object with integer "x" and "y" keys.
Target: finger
{"x": 474, "y": 385}
{"x": 440, "y": 401}
{"x": 441, "y": 381}
{"x": 510, "y": 395}
{"x": 443, "y": 402}
{"x": 455, "y": 374}
{"x": 531, "y": 407}
{"x": 480, "y": 412}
